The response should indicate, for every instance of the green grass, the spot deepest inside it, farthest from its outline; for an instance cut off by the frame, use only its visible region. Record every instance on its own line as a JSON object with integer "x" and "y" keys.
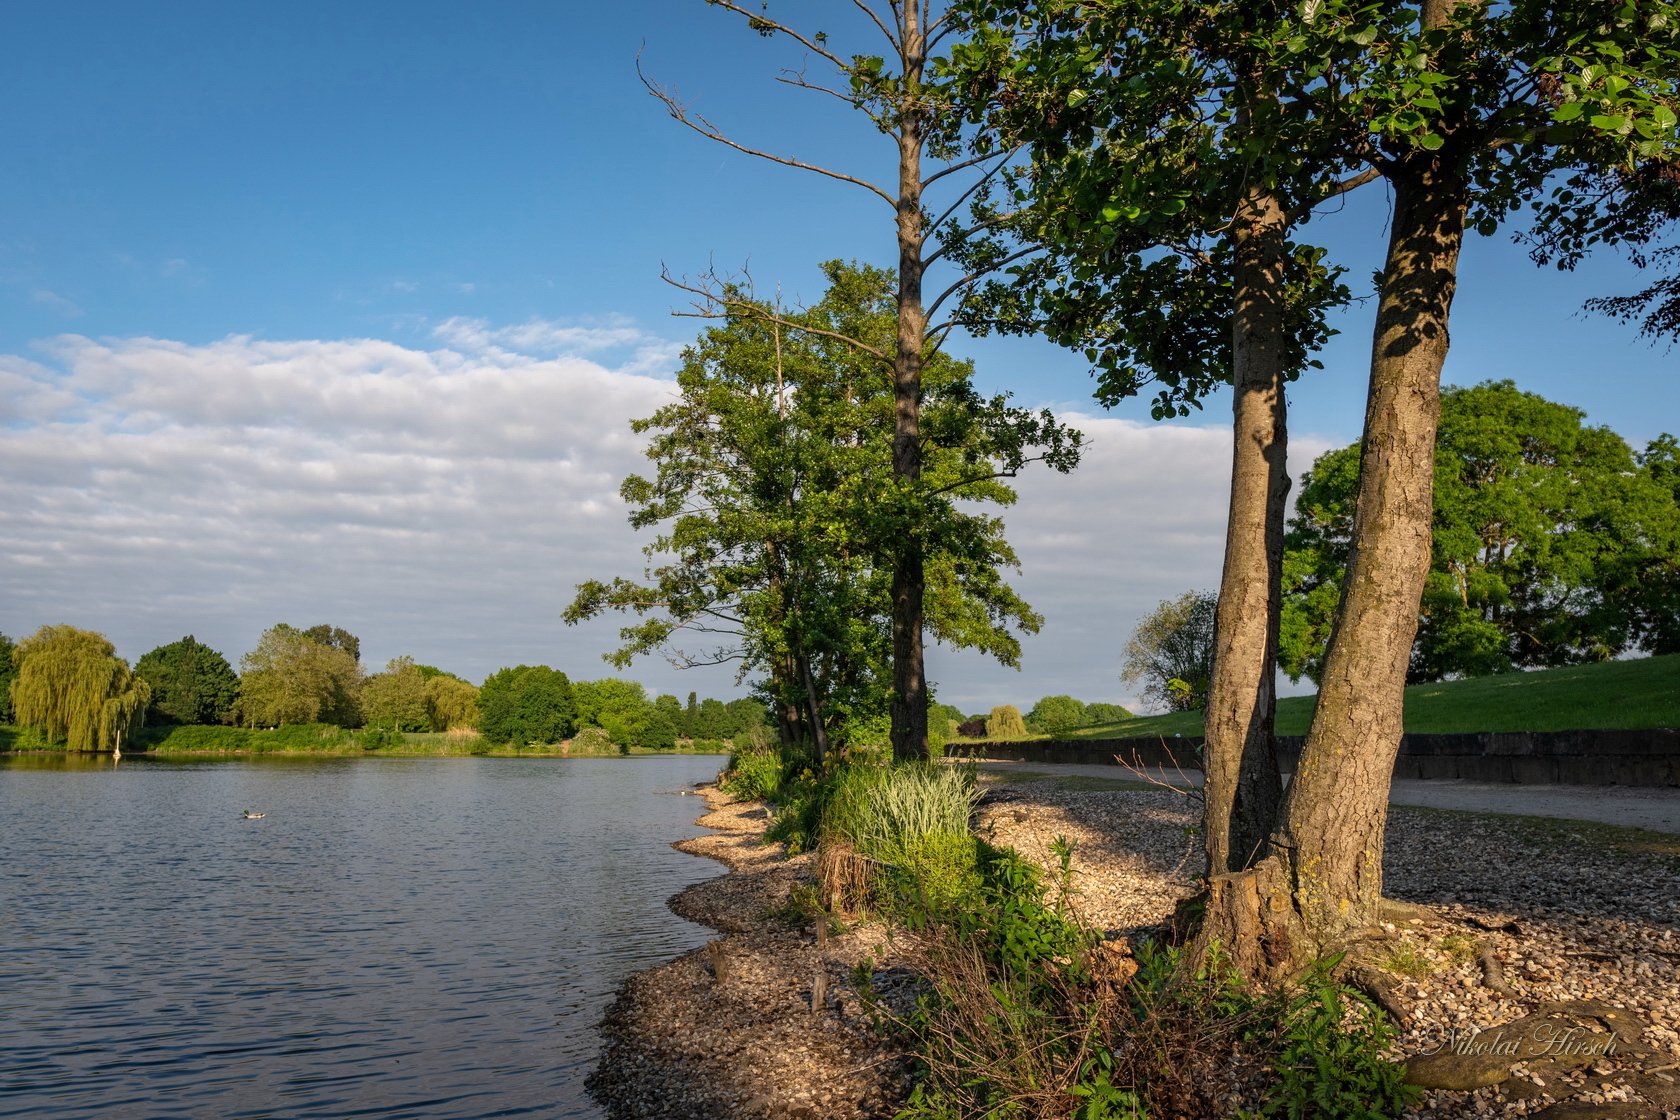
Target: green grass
{"x": 1615, "y": 694}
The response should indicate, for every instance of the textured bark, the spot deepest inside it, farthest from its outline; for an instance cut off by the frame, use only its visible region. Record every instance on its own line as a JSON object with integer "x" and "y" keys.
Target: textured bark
{"x": 1242, "y": 787}
{"x": 1338, "y": 804}
{"x": 1318, "y": 890}
{"x": 909, "y": 701}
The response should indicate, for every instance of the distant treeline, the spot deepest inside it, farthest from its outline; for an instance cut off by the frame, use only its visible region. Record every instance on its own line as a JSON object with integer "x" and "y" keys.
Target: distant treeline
{"x": 67, "y": 688}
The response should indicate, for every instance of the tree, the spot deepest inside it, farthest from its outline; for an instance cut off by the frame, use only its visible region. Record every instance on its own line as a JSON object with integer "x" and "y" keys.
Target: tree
{"x": 292, "y": 678}
{"x": 527, "y": 704}
{"x": 909, "y": 102}
{"x": 8, "y": 672}
{"x": 1541, "y": 529}
{"x": 335, "y": 638}
{"x": 1005, "y": 722}
{"x": 1100, "y": 713}
{"x": 775, "y": 498}
{"x": 71, "y": 686}
{"x": 1172, "y": 651}
{"x": 451, "y": 702}
{"x": 397, "y": 698}
{"x": 190, "y": 682}
{"x": 1053, "y": 714}
{"x": 1465, "y": 110}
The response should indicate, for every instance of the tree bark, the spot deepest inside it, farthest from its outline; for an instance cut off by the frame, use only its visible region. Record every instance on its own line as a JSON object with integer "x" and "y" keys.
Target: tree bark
{"x": 909, "y": 694}
{"x": 1242, "y": 786}
{"x": 1321, "y": 883}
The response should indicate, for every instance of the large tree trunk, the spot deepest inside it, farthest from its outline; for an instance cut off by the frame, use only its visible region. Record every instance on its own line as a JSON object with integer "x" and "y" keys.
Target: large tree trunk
{"x": 909, "y": 699}
{"x": 1242, "y": 786}
{"x": 1320, "y": 885}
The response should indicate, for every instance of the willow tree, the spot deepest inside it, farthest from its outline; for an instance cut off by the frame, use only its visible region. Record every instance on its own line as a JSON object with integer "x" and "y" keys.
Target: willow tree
{"x": 73, "y": 688}
{"x": 904, "y": 96}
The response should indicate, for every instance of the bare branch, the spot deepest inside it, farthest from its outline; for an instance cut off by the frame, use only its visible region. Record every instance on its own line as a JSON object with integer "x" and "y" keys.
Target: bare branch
{"x": 891, "y": 37}
{"x": 949, "y": 243}
{"x": 796, "y": 78}
{"x": 761, "y": 22}
{"x": 964, "y": 165}
{"x": 680, "y": 113}
{"x": 713, "y": 298}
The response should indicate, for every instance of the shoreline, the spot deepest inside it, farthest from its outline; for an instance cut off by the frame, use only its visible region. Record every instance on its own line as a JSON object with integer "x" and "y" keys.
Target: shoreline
{"x": 1517, "y": 929}
{"x": 728, "y": 1029}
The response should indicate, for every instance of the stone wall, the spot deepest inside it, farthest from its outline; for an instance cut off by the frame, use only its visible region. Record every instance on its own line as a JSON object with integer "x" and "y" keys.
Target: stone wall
{"x": 1597, "y": 758}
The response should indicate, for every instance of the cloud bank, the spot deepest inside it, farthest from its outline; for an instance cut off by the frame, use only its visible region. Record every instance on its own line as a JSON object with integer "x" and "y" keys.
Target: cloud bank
{"x": 443, "y": 503}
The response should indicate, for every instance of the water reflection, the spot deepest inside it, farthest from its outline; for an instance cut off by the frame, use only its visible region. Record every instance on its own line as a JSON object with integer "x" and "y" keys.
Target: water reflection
{"x": 414, "y": 937}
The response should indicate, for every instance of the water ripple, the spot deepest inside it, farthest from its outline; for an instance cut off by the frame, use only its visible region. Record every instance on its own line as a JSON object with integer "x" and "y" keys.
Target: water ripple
{"x": 413, "y": 938}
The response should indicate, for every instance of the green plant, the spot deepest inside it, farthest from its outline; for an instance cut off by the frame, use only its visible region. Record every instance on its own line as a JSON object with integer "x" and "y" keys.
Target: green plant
{"x": 1330, "y": 1060}
{"x": 1405, "y": 960}
{"x": 1459, "y": 947}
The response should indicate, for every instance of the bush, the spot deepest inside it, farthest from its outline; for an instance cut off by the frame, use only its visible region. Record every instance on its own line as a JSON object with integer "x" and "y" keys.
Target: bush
{"x": 1055, "y": 714}
{"x": 972, "y": 728}
{"x": 593, "y": 741}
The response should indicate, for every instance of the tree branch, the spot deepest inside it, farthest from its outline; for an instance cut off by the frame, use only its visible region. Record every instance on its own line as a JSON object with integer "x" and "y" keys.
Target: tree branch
{"x": 761, "y": 23}
{"x": 680, "y": 113}
{"x": 757, "y": 311}
{"x": 973, "y": 276}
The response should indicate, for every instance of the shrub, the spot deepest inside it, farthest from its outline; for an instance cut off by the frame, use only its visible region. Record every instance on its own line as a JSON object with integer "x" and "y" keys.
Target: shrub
{"x": 593, "y": 740}
{"x": 972, "y": 728}
{"x": 1005, "y": 723}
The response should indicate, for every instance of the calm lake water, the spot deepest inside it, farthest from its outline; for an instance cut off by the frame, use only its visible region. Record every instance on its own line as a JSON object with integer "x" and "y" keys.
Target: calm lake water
{"x": 396, "y": 938}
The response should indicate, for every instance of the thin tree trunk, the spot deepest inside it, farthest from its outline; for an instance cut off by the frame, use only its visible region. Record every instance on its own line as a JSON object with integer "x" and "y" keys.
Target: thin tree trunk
{"x": 909, "y": 699}
{"x": 1242, "y": 786}
{"x": 819, "y": 733}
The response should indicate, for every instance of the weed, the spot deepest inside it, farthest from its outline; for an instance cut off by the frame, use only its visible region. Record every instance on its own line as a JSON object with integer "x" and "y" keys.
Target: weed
{"x": 1405, "y": 960}
{"x": 1460, "y": 947}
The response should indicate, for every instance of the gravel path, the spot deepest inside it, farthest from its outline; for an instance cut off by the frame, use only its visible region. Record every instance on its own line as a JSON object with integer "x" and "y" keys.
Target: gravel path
{"x": 1657, "y": 809}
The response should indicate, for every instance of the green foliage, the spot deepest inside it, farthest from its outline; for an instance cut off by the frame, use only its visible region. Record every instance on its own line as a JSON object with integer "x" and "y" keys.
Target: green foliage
{"x": 8, "y": 671}
{"x": 1553, "y": 543}
{"x": 450, "y": 701}
{"x": 72, "y": 688}
{"x": 191, "y": 683}
{"x": 295, "y": 677}
{"x": 1105, "y": 713}
{"x": 780, "y": 519}
{"x": 1329, "y": 1060}
{"x": 757, "y": 774}
{"x": 1054, "y": 714}
{"x": 595, "y": 741}
{"x": 1171, "y": 651}
{"x": 1005, "y": 722}
{"x": 397, "y": 699}
{"x": 526, "y": 704}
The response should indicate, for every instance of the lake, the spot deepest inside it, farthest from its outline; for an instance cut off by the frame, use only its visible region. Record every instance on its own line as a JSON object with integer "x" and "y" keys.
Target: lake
{"x": 395, "y": 938}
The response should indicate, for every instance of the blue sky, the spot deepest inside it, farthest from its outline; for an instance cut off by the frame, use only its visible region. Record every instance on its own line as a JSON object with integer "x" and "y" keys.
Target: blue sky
{"x": 359, "y": 298}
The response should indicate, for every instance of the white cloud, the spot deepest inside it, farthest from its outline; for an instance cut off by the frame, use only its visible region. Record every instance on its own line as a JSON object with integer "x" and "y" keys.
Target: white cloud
{"x": 443, "y": 503}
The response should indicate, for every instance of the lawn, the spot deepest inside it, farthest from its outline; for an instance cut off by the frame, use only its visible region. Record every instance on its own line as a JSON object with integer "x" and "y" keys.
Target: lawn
{"x": 1615, "y": 694}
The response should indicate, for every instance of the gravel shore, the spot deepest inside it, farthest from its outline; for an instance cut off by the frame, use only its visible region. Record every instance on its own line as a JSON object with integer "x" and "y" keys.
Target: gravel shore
{"x": 1543, "y": 966}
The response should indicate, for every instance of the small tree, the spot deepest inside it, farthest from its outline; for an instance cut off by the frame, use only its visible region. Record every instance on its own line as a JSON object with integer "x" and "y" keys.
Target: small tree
{"x": 451, "y": 702}
{"x": 526, "y": 704}
{"x": 1054, "y": 714}
{"x": 396, "y": 698}
{"x": 190, "y": 682}
{"x": 73, "y": 688}
{"x": 1171, "y": 651}
{"x": 1005, "y": 722}
{"x": 293, "y": 678}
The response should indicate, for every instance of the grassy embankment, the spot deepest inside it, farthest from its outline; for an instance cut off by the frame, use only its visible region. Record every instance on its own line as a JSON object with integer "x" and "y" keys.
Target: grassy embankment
{"x": 326, "y": 741}
{"x": 1614, "y": 694}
